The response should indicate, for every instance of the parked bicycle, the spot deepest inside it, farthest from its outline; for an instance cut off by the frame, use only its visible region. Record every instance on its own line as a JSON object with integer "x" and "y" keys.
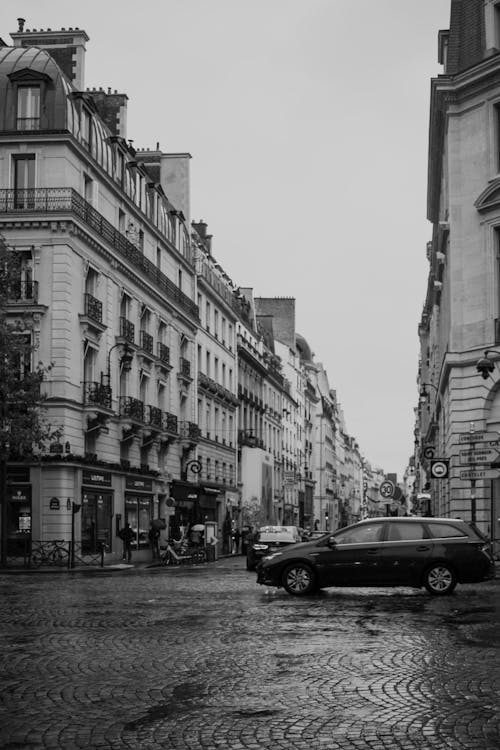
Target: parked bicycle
{"x": 184, "y": 555}
{"x": 55, "y": 552}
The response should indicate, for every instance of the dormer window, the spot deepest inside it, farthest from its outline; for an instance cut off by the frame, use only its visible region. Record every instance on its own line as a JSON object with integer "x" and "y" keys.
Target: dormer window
{"x": 85, "y": 127}
{"x": 28, "y": 108}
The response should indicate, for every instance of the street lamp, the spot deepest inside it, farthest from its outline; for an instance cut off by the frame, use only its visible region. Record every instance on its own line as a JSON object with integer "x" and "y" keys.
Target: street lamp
{"x": 125, "y": 360}
{"x": 424, "y": 394}
{"x": 485, "y": 365}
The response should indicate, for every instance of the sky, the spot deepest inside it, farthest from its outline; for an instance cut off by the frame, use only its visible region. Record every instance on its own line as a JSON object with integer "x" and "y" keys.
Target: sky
{"x": 307, "y": 123}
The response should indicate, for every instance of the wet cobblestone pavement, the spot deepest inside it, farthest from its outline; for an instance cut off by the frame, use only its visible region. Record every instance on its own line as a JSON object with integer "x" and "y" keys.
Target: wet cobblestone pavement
{"x": 202, "y": 657}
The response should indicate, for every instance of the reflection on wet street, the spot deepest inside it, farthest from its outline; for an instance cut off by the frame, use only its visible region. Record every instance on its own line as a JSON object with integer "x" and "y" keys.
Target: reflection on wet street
{"x": 202, "y": 657}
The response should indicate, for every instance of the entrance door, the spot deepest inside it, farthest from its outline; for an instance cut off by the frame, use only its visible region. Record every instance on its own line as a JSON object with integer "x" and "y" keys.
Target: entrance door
{"x": 96, "y": 522}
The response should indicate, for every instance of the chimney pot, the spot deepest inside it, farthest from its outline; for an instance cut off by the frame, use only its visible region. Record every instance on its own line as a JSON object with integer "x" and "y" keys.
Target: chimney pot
{"x": 109, "y": 90}
{"x": 157, "y": 145}
{"x": 20, "y": 24}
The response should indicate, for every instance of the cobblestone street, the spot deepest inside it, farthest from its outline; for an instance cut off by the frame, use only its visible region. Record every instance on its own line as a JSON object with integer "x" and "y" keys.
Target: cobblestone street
{"x": 202, "y": 657}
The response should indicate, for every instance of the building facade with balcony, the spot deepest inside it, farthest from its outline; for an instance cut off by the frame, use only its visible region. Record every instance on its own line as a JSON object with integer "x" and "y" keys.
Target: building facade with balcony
{"x": 107, "y": 293}
{"x": 461, "y": 313}
{"x": 217, "y": 387}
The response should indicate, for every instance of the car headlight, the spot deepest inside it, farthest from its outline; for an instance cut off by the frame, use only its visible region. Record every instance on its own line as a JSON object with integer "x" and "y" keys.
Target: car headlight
{"x": 274, "y": 554}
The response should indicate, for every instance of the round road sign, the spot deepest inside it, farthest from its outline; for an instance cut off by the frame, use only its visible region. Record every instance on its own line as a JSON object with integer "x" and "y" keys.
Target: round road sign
{"x": 387, "y": 488}
{"x": 439, "y": 469}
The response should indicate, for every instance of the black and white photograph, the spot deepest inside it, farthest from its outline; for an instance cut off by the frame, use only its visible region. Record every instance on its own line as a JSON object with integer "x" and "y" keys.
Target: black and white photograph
{"x": 250, "y": 375}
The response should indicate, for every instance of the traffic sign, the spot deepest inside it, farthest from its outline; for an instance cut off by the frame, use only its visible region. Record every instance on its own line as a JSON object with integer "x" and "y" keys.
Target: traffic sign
{"x": 480, "y": 474}
{"x": 478, "y": 437}
{"x": 478, "y": 456}
{"x": 387, "y": 488}
{"x": 439, "y": 468}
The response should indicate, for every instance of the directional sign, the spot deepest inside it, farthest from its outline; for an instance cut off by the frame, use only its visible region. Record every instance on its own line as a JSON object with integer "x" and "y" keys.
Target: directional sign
{"x": 480, "y": 474}
{"x": 439, "y": 468}
{"x": 478, "y": 456}
{"x": 478, "y": 437}
{"x": 387, "y": 488}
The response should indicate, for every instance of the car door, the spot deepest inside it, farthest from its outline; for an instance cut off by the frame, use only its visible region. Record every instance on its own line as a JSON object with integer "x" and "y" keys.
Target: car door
{"x": 351, "y": 557}
{"x": 405, "y": 552}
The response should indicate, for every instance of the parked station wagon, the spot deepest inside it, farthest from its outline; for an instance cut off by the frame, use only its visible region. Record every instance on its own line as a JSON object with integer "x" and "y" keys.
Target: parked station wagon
{"x": 436, "y": 553}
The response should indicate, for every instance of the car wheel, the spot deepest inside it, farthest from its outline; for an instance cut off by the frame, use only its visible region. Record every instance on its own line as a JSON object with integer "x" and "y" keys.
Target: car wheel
{"x": 299, "y": 579}
{"x": 440, "y": 579}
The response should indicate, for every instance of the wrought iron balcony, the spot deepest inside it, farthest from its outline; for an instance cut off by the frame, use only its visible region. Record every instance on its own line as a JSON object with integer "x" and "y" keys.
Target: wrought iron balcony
{"x": 68, "y": 201}
{"x": 163, "y": 353}
{"x": 97, "y": 394}
{"x": 22, "y": 291}
{"x": 146, "y": 341}
{"x": 154, "y": 417}
{"x": 170, "y": 423}
{"x": 190, "y": 431}
{"x": 132, "y": 407}
{"x": 184, "y": 367}
{"x": 93, "y": 307}
{"x": 127, "y": 330}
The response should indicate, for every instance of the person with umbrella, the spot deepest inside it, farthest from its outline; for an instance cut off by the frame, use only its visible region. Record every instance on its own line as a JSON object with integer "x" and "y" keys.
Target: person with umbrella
{"x": 196, "y": 535}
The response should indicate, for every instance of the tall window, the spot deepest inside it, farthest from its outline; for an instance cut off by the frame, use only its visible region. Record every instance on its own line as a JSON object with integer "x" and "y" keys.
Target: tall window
{"x": 24, "y": 181}
{"x": 28, "y": 108}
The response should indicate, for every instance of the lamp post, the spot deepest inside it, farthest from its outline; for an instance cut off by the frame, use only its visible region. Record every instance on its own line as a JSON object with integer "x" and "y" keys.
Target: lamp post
{"x": 125, "y": 360}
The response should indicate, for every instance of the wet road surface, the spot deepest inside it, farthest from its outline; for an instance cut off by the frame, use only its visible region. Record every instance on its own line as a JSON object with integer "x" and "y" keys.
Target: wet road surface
{"x": 201, "y": 657}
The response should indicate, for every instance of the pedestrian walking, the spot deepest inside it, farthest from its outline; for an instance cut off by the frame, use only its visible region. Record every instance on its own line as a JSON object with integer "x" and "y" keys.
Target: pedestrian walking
{"x": 127, "y": 535}
{"x": 154, "y": 541}
{"x": 236, "y": 541}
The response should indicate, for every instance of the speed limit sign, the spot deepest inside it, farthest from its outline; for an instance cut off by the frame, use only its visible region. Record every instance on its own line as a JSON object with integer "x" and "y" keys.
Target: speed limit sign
{"x": 387, "y": 488}
{"x": 439, "y": 468}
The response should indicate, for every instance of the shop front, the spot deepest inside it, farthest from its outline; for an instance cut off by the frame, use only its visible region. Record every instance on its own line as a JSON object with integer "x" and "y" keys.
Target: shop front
{"x": 96, "y": 511}
{"x": 186, "y": 507}
{"x": 18, "y": 520}
{"x": 139, "y": 509}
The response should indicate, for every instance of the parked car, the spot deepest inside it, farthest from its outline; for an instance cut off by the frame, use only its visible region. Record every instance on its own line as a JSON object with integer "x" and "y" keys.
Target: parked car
{"x": 269, "y": 539}
{"x": 436, "y": 553}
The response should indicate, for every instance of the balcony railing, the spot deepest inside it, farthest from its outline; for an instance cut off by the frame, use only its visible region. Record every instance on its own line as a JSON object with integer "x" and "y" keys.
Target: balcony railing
{"x": 97, "y": 394}
{"x": 67, "y": 200}
{"x": 185, "y": 367}
{"x": 155, "y": 417}
{"x": 190, "y": 431}
{"x": 22, "y": 291}
{"x": 146, "y": 341}
{"x": 170, "y": 423}
{"x": 127, "y": 330}
{"x": 132, "y": 407}
{"x": 93, "y": 308}
{"x": 163, "y": 353}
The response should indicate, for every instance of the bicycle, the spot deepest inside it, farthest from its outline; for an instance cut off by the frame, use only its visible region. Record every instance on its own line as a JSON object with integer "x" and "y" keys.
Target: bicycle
{"x": 50, "y": 553}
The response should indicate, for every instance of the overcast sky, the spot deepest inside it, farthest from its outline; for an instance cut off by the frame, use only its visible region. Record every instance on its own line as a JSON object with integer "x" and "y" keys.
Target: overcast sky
{"x": 307, "y": 122}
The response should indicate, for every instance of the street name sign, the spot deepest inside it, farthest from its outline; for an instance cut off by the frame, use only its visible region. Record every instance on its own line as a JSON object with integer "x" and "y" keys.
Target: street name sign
{"x": 480, "y": 474}
{"x": 478, "y": 456}
{"x": 478, "y": 437}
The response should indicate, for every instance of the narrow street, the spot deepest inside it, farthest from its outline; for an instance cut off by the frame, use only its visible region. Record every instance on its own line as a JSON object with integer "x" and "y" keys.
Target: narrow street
{"x": 201, "y": 657}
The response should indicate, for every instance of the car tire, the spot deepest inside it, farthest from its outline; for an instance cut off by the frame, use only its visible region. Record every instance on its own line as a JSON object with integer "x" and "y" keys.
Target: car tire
{"x": 439, "y": 579}
{"x": 299, "y": 579}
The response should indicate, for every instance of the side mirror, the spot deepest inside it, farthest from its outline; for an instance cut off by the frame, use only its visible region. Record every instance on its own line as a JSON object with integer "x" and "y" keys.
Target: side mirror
{"x": 332, "y": 542}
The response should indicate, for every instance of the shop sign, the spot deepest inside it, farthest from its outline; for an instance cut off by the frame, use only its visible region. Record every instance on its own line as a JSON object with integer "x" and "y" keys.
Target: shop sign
{"x": 101, "y": 478}
{"x": 18, "y": 495}
{"x": 54, "y": 503}
{"x": 140, "y": 485}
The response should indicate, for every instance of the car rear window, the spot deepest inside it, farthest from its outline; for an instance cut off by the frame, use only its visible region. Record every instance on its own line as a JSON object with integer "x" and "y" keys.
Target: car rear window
{"x": 406, "y": 532}
{"x": 276, "y": 536}
{"x": 446, "y": 530}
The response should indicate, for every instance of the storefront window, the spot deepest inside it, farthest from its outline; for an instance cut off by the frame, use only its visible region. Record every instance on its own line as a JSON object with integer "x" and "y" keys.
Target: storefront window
{"x": 139, "y": 514}
{"x": 19, "y": 521}
{"x": 96, "y": 521}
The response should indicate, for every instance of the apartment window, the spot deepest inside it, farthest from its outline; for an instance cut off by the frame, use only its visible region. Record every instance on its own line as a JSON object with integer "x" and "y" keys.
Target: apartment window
{"x": 28, "y": 108}
{"x": 88, "y": 188}
{"x": 199, "y": 358}
{"x": 209, "y": 470}
{"x": 216, "y": 324}
{"x": 179, "y": 280}
{"x": 121, "y": 221}
{"x": 207, "y": 316}
{"x": 223, "y": 330}
{"x": 85, "y": 127}
{"x": 216, "y": 369}
{"x": 24, "y": 180}
{"x": 223, "y": 378}
{"x": 158, "y": 258}
{"x": 208, "y": 364}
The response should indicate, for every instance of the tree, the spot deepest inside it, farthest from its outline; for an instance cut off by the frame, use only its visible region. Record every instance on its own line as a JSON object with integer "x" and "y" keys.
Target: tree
{"x": 23, "y": 426}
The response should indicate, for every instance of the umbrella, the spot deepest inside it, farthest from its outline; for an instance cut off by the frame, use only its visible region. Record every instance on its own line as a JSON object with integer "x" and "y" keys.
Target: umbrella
{"x": 198, "y": 527}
